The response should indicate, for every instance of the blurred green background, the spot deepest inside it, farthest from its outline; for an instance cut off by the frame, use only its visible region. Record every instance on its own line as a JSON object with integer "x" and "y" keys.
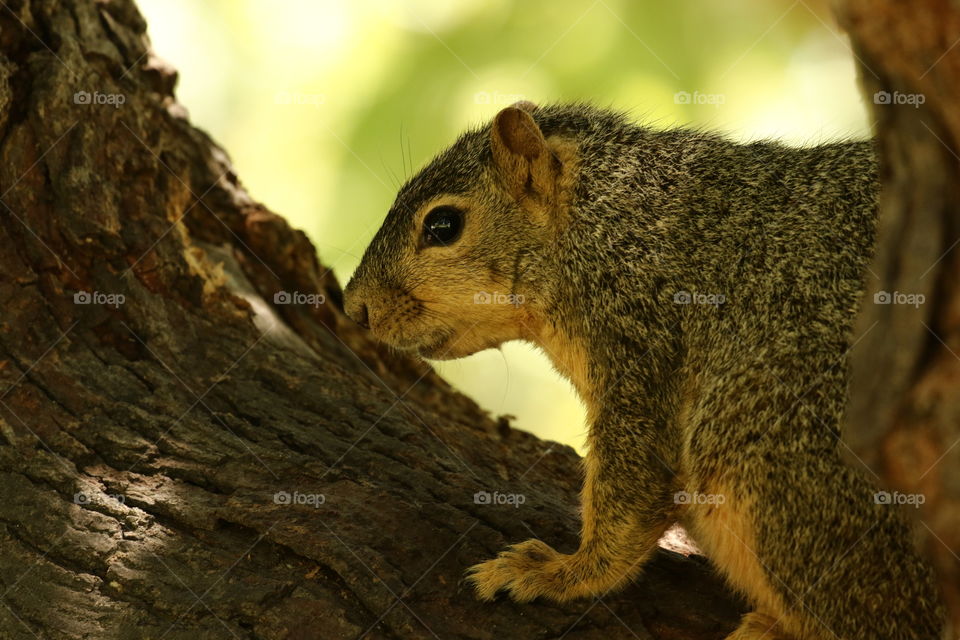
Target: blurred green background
{"x": 326, "y": 106}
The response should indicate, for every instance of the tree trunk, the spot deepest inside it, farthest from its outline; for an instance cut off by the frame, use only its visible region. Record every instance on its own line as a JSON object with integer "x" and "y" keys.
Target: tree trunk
{"x": 185, "y": 456}
{"x": 905, "y": 399}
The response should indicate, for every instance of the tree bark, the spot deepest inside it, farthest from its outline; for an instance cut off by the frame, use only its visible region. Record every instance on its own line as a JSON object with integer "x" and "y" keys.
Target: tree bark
{"x": 183, "y": 455}
{"x": 905, "y": 397}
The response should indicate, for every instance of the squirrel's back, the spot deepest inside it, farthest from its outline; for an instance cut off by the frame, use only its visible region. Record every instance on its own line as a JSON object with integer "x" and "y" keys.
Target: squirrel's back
{"x": 744, "y": 240}
{"x": 700, "y": 295}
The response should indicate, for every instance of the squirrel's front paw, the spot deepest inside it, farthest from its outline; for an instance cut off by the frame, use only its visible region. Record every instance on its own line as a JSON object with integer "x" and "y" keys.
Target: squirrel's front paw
{"x": 527, "y": 570}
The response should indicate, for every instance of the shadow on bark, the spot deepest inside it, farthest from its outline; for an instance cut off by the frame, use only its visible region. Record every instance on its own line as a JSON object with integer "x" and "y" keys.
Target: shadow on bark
{"x": 182, "y": 456}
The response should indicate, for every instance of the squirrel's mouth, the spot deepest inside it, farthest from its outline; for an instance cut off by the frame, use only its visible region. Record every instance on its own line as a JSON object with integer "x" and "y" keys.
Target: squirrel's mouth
{"x": 433, "y": 345}
{"x": 435, "y": 349}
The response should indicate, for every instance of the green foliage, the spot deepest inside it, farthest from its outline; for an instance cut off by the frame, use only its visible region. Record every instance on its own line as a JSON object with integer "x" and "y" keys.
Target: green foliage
{"x": 325, "y": 106}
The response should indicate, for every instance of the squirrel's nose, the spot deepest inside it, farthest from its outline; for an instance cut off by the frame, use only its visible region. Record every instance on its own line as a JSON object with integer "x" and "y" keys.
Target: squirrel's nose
{"x": 361, "y": 316}
{"x": 356, "y": 309}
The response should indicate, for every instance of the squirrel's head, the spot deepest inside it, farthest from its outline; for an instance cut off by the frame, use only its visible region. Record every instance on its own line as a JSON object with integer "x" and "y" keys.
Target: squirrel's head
{"x": 457, "y": 265}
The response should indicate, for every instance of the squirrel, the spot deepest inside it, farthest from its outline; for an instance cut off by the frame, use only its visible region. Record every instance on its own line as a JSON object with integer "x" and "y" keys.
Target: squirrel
{"x": 700, "y": 295}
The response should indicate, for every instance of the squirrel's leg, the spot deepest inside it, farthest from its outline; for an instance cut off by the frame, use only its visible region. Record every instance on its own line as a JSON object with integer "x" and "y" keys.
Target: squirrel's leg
{"x": 626, "y": 508}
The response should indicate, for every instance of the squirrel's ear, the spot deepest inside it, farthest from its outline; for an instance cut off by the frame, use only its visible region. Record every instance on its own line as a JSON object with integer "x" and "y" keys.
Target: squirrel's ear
{"x": 520, "y": 151}
{"x": 515, "y": 132}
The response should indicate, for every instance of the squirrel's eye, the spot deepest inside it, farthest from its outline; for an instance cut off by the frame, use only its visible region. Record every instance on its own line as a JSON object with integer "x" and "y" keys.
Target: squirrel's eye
{"x": 442, "y": 226}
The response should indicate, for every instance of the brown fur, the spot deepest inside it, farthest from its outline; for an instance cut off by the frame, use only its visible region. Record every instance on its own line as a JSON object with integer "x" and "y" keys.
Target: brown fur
{"x": 601, "y": 233}
{"x": 726, "y": 534}
{"x": 569, "y": 358}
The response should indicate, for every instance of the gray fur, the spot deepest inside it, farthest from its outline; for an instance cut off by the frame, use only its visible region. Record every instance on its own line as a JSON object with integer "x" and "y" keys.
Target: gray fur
{"x": 748, "y": 394}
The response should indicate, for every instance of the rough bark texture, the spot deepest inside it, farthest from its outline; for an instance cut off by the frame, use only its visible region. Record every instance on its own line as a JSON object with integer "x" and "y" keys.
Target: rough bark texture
{"x": 196, "y": 461}
{"x": 905, "y": 409}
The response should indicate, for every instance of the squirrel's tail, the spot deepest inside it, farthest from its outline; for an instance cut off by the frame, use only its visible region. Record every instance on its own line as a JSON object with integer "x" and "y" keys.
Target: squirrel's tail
{"x": 837, "y": 562}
